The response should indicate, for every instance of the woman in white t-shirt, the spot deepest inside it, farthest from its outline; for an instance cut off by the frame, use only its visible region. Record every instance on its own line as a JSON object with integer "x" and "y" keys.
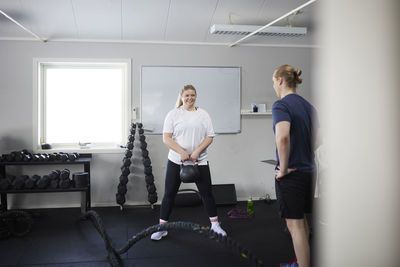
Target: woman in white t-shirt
{"x": 188, "y": 131}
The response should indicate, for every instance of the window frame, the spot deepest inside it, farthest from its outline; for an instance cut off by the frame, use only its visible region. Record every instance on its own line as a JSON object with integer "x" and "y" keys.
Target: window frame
{"x": 39, "y": 112}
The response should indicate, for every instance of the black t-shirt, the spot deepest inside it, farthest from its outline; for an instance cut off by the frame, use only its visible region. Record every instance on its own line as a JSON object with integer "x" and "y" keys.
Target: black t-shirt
{"x": 302, "y": 117}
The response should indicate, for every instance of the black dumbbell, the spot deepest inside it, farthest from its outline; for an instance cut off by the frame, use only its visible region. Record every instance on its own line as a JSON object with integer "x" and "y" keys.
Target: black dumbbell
{"x": 19, "y": 156}
{"x": 128, "y": 153}
{"x": 64, "y": 183}
{"x": 145, "y": 153}
{"x": 149, "y": 179}
{"x": 46, "y": 156}
{"x": 152, "y": 198}
{"x": 54, "y": 179}
{"x": 11, "y": 156}
{"x": 10, "y": 178}
{"x": 133, "y": 125}
{"x": 27, "y": 157}
{"x": 30, "y": 182}
{"x": 131, "y": 138}
{"x": 53, "y": 157}
{"x": 54, "y": 183}
{"x": 64, "y": 174}
{"x": 143, "y": 145}
{"x": 122, "y": 189}
{"x": 123, "y": 179}
{"x": 43, "y": 182}
{"x": 73, "y": 156}
{"x": 63, "y": 157}
{"x": 151, "y": 188}
{"x": 125, "y": 171}
{"x": 55, "y": 174}
{"x": 142, "y": 138}
{"x": 126, "y": 162}
{"x": 148, "y": 170}
{"x": 140, "y": 125}
{"x": 19, "y": 182}
{"x": 146, "y": 162}
{"x": 133, "y": 131}
{"x": 141, "y": 131}
{"x": 129, "y": 145}
{"x": 120, "y": 199}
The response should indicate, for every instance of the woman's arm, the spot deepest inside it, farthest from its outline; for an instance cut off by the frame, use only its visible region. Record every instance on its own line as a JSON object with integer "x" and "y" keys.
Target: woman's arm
{"x": 196, "y": 153}
{"x": 167, "y": 139}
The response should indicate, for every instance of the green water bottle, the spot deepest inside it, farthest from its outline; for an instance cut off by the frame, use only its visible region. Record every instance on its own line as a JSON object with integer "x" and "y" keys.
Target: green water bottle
{"x": 250, "y": 206}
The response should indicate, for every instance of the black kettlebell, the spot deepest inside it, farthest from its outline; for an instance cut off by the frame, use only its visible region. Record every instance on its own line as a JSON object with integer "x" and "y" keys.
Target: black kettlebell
{"x": 189, "y": 173}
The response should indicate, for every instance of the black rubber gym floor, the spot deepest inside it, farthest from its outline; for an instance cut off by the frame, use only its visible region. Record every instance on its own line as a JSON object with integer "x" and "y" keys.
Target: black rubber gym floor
{"x": 60, "y": 238}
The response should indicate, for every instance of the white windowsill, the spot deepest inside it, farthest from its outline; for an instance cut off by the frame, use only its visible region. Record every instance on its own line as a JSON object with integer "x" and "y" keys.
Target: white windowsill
{"x": 91, "y": 150}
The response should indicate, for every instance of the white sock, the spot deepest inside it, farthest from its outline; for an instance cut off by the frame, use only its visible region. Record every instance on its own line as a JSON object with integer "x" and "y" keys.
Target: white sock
{"x": 214, "y": 221}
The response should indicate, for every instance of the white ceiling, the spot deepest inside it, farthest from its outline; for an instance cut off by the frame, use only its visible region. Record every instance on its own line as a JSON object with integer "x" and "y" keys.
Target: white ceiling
{"x": 171, "y": 21}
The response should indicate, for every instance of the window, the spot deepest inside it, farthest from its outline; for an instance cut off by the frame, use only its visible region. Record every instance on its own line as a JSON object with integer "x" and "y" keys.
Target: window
{"x": 81, "y": 104}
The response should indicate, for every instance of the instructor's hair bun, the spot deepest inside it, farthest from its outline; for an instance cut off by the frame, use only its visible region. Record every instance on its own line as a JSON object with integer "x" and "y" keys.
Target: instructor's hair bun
{"x": 289, "y": 74}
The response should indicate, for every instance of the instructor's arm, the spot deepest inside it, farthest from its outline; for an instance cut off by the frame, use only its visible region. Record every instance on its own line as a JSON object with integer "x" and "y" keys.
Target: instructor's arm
{"x": 282, "y": 139}
{"x": 167, "y": 139}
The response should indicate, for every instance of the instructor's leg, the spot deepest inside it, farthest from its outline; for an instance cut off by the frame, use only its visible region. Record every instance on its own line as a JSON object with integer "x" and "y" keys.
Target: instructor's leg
{"x": 299, "y": 232}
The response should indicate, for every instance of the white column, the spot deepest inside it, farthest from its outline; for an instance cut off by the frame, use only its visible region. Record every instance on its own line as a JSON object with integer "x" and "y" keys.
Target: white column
{"x": 359, "y": 100}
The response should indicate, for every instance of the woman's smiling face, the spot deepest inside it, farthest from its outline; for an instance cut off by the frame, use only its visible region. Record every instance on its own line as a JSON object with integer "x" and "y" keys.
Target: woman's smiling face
{"x": 189, "y": 99}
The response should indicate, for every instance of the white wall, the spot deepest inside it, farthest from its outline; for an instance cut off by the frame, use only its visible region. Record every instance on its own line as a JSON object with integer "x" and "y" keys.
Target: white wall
{"x": 234, "y": 158}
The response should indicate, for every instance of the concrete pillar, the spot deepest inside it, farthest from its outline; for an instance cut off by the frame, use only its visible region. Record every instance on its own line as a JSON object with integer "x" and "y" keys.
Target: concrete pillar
{"x": 359, "y": 101}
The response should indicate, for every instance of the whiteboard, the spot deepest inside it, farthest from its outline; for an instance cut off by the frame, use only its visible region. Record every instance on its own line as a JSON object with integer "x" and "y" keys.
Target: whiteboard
{"x": 218, "y": 92}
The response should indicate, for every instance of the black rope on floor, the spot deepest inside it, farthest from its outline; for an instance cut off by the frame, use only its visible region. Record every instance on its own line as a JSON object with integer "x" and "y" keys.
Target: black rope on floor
{"x": 15, "y": 222}
{"x": 115, "y": 259}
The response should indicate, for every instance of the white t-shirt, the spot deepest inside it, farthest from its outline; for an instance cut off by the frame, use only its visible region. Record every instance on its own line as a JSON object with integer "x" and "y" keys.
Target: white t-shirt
{"x": 189, "y": 129}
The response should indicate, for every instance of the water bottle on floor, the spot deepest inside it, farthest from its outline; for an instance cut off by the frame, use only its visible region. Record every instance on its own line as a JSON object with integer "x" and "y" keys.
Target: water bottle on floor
{"x": 250, "y": 206}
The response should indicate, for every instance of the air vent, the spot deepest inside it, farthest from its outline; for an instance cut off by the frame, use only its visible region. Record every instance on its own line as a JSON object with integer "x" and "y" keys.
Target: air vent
{"x": 247, "y": 29}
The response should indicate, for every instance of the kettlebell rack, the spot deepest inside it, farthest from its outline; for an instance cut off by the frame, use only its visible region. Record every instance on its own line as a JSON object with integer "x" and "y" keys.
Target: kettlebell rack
{"x": 84, "y": 160}
{"x": 126, "y": 163}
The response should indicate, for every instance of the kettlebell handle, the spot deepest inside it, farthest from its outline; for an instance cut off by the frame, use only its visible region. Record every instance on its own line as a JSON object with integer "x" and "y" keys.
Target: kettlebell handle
{"x": 195, "y": 163}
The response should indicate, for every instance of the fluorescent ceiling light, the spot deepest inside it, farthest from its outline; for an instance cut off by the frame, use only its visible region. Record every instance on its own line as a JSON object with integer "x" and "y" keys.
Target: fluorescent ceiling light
{"x": 247, "y": 29}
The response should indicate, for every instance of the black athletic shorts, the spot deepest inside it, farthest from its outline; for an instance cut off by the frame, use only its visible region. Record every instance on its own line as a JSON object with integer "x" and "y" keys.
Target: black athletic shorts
{"x": 295, "y": 194}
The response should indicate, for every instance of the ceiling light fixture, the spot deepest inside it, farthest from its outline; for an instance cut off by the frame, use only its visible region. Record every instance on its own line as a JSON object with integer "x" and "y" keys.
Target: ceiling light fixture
{"x": 247, "y": 29}
{"x": 273, "y": 22}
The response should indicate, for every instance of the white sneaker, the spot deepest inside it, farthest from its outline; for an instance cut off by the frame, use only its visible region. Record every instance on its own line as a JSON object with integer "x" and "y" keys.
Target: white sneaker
{"x": 217, "y": 228}
{"x": 158, "y": 235}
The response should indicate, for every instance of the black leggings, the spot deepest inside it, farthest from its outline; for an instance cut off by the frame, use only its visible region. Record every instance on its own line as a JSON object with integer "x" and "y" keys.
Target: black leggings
{"x": 172, "y": 183}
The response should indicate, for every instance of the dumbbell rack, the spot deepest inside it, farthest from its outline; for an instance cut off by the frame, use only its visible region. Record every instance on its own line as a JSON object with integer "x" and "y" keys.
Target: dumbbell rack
{"x": 84, "y": 159}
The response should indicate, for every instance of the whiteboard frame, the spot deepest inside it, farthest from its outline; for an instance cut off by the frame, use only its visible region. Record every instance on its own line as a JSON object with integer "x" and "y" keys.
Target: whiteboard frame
{"x": 150, "y": 131}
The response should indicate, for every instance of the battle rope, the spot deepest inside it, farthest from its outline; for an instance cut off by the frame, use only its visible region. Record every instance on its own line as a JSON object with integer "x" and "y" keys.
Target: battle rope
{"x": 15, "y": 222}
{"x": 113, "y": 253}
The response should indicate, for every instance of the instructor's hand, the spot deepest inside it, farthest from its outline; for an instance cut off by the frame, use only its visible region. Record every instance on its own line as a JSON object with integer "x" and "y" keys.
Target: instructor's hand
{"x": 281, "y": 173}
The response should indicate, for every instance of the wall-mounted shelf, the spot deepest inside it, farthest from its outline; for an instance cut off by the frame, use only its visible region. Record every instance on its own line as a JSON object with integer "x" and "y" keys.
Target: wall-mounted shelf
{"x": 244, "y": 112}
